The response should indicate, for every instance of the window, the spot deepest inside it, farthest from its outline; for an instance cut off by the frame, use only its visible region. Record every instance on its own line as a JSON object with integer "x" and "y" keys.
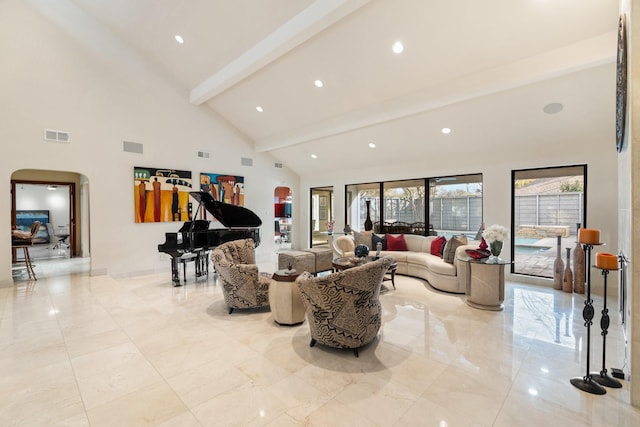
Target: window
{"x": 404, "y": 207}
{"x": 357, "y": 196}
{"x": 455, "y": 205}
{"x": 547, "y": 203}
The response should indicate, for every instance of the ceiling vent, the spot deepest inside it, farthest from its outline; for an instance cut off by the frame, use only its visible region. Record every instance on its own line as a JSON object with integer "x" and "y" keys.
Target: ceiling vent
{"x": 203, "y": 154}
{"x": 278, "y": 165}
{"x": 132, "y": 147}
{"x": 245, "y": 161}
{"x": 56, "y": 136}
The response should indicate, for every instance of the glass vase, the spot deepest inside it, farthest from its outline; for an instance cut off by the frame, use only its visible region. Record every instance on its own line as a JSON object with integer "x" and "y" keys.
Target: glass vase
{"x": 558, "y": 266}
{"x": 495, "y": 247}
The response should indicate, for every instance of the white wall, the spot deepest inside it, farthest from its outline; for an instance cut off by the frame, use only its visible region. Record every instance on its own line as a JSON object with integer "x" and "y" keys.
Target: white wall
{"x": 61, "y": 71}
{"x": 628, "y": 196}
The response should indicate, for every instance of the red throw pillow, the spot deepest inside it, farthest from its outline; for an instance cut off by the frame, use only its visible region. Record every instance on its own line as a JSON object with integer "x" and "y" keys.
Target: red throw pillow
{"x": 396, "y": 243}
{"x": 437, "y": 245}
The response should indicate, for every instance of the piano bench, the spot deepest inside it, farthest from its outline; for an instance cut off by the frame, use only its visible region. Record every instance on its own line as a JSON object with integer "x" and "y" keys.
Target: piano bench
{"x": 299, "y": 261}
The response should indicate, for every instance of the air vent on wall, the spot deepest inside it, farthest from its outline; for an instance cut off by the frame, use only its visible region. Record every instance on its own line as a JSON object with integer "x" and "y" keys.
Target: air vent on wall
{"x": 56, "y": 136}
{"x": 132, "y": 147}
{"x": 203, "y": 154}
{"x": 278, "y": 165}
{"x": 244, "y": 161}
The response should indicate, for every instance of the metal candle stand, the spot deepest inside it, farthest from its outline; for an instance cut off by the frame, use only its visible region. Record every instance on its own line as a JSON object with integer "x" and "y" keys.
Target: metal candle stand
{"x": 602, "y": 377}
{"x": 587, "y": 382}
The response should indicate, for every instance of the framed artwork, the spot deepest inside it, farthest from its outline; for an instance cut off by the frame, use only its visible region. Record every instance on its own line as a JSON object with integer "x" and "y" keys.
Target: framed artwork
{"x": 621, "y": 84}
{"x": 224, "y": 188}
{"x": 161, "y": 195}
{"x": 26, "y": 218}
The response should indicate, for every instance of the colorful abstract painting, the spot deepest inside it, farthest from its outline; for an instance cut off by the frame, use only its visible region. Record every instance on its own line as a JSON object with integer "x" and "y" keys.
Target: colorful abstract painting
{"x": 223, "y": 188}
{"x": 161, "y": 195}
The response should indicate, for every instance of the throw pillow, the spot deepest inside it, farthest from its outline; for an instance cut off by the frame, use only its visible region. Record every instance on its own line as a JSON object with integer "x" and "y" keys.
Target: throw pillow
{"x": 449, "y": 254}
{"x": 375, "y": 239}
{"x": 463, "y": 239}
{"x": 437, "y": 245}
{"x": 396, "y": 243}
{"x": 362, "y": 238}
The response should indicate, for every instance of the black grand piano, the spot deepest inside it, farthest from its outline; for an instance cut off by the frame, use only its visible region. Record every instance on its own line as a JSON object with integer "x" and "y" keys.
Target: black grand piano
{"x": 194, "y": 239}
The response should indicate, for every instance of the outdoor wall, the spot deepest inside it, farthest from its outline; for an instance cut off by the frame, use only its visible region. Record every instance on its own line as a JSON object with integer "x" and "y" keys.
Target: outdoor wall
{"x": 62, "y": 71}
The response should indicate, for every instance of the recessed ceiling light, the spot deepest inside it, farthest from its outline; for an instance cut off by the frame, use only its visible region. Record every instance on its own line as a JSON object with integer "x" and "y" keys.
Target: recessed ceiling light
{"x": 179, "y": 38}
{"x": 313, "y": 156}
{"x": 397, "y": 47}
{"x": 372, "y": 145}
{"x": 553, "y": 108}
{"x": 318, "y": 83}
{"x": 446, "y": 131}
{"x": 259, "y": 109}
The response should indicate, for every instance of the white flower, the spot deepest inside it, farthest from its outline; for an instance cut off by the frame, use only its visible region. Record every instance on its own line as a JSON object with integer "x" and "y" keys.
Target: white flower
{"x": 495, "y": 233}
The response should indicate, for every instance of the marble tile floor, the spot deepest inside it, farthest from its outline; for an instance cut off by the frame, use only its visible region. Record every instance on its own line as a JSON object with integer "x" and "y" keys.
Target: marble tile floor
{"x": 99, "y": 351}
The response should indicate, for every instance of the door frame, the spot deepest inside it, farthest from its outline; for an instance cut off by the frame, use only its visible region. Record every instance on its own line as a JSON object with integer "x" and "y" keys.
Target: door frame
{"x": 72, "y": 206}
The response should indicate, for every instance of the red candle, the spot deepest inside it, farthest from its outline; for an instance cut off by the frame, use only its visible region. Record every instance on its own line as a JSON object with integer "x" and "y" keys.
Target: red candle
{"x": 606, "y": 261}
{"x": 589, "y": 236}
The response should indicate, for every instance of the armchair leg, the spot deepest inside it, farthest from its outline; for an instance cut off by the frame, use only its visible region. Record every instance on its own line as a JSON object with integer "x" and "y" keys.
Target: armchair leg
{"x": 230, "y": 310}
{"x": 312, "y": 343}
{"x": 355, "y": 351}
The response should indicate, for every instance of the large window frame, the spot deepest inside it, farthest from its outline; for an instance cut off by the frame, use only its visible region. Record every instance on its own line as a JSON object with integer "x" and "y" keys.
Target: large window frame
{"x": 554, "y": 202}
{"x": 404, "y": 206}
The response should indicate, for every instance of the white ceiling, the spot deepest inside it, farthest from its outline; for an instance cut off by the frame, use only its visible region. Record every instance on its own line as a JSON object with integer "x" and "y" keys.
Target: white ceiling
{"x": 485, "y": 69}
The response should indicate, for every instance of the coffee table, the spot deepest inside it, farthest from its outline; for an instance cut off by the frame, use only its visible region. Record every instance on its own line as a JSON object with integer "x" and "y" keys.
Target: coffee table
{"x": 346, "y": 262}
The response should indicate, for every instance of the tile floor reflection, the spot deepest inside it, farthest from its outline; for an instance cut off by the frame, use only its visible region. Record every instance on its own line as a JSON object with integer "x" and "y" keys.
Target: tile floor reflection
{"x": 100, "y": 351}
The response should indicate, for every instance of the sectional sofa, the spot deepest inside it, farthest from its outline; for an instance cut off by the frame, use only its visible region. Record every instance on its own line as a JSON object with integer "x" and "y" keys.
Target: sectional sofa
{"x": 446, "y": 273}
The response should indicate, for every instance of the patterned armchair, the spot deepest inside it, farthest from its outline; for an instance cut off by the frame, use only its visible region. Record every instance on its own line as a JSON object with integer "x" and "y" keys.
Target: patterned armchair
{"x": 242, "y": 285}
{"x": 343, "y": 309}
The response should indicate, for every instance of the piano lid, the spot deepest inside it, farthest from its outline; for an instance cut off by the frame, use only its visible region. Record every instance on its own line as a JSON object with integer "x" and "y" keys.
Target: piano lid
{"x": 231, "y": 216}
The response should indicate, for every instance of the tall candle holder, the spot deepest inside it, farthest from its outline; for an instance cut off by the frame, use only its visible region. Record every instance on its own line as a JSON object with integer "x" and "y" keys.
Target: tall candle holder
{"x": 602, "y": 377}
{"x": 587, "y": 383}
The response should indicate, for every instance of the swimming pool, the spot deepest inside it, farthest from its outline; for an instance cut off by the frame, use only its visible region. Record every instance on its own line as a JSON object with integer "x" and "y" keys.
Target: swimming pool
{"x": 529, "y": 246}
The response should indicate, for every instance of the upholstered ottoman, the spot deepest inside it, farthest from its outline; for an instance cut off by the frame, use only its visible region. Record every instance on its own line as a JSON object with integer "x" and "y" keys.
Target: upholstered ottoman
{"x": 299, "y": 261}
{"x": 323, "y": 258}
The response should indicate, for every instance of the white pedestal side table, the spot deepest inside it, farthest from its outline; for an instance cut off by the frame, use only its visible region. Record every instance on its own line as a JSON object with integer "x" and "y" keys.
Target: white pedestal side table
{"x": 285, "y": 299}
{"x": 485, "y": 284}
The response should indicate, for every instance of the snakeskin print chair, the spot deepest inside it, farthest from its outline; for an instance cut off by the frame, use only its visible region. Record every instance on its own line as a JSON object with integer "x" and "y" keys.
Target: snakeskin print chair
{"x": 343, "y": 309}
{"x": 242, "y": 285}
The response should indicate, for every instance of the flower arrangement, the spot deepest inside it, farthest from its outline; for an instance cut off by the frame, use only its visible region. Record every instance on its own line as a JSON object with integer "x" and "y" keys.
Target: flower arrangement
{"x": 495, "y": 233}
{"x": 330, "y": 225}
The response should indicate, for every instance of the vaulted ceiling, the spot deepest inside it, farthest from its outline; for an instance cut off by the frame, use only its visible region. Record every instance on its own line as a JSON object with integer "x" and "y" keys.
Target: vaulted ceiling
{"x": 484, "y": 69}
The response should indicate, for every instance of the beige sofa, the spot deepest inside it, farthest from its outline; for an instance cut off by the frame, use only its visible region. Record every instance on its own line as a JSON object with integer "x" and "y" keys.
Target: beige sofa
{"x": 417, "y": 261}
